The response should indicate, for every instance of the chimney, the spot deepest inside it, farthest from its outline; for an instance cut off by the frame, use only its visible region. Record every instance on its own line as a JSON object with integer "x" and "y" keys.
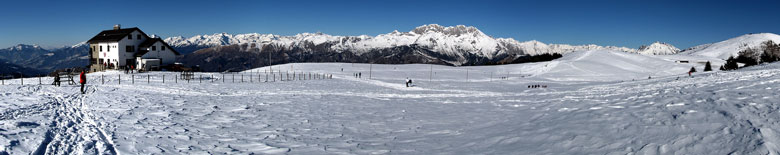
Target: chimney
{"x": 117, "y": 27}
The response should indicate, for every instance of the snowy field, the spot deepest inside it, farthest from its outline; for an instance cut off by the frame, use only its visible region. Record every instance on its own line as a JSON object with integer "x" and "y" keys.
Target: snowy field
{"x": 593, "y": 109}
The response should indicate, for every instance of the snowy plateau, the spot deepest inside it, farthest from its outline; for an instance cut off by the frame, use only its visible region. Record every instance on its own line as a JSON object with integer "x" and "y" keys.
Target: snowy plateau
{"x": 590, "y": 101}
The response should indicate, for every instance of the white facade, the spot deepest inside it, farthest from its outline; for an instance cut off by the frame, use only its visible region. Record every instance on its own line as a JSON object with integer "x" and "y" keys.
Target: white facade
{"x": 133, "y": 41}
{"x": 160, "y": 51}
{"x": 108, "y": 53}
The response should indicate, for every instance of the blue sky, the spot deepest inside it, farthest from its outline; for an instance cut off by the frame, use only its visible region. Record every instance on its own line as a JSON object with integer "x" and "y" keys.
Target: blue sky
{"x": 628, "y": 23}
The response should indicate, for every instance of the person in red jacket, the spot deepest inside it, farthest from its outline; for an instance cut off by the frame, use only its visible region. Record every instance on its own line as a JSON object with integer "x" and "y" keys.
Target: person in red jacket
{"x": 82, "y": 80}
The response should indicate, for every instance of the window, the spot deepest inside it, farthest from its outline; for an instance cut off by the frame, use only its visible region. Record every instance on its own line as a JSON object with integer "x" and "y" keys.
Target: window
{"x": 129, "y": 48}
{"x": 130, "y": 37}
{"x": 108, "y": 48}
{"x": 138, "y": 36}
{"x": 101, "y": 48}
{"x": 162, "y": 48}
{"x": 154, "y": 48}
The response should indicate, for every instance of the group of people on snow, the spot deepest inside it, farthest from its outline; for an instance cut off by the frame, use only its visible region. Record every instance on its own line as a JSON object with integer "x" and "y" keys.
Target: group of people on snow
{"x": 358, "y": 75}
{"x": 537, "y": 86}
{"x": 130, "y": 69}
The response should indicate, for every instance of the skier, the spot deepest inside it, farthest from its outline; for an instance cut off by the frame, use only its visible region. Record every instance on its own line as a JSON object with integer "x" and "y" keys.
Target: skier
{"x": 360, "y": 75}
{"x": 82, "y": 80}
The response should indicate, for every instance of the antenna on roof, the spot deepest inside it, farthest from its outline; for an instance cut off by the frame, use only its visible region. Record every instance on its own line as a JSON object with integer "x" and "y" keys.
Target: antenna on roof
{"x": 117, "y": 27}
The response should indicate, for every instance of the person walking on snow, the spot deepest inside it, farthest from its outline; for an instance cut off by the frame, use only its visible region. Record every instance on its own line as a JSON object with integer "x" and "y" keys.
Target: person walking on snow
{"x": 56, "y": 79}
{"x": 407, "y": 81}
{"x": 82, "y": 80}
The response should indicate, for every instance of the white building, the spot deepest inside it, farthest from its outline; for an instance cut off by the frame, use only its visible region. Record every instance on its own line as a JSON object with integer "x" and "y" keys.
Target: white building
{"x": 119, "y": 48}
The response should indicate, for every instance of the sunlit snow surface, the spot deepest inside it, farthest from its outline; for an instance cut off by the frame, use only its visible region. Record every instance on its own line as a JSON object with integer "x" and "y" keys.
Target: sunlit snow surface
{"x": 461, "y": 111}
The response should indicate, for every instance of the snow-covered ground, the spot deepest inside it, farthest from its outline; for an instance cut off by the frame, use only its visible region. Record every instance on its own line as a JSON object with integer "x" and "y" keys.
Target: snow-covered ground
{"x": 450, "y": 110}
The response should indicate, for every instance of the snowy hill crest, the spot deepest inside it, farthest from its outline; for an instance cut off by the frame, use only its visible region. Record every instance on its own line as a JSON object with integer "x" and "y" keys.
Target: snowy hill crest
{"x": 731, "y": 47}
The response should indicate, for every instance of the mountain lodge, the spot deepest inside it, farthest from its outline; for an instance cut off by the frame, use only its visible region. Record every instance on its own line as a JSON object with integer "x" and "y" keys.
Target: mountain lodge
{"x": 130, "y": 47}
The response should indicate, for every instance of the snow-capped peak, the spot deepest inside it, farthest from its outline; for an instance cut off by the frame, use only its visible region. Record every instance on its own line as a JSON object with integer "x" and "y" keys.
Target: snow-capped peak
{"x": 450, "y": 30}
{"x": 658, "y": 48}
{"x": 20, "y": 47}
{"x": 83, "y": 43}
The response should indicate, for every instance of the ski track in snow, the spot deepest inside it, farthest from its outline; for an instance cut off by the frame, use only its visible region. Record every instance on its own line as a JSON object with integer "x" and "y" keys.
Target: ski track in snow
{"x": 710, "y": 113}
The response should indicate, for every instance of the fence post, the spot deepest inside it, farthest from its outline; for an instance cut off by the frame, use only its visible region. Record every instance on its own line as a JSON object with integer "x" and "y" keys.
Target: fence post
{"x": 212, "y": 78}
{"x": 101, "y": 80}
{"x": 223, "y": 78}
{"x": 39, "y": 80}
{"x": 22, "y": 78}
{"x": 370, "y": 66}
{"x": 175, "y": 78}
{"x": 132, "y": 77}
{"x": 163, "y": 79}
{"x": 200, "y": 79}
{"x": 120, "y": 79}
{"x": 250, "y": 77}
{"x": 2, "y": 78}
{"x": 430, "y": 74}
{"x": 233, "y": 78}
{"x": 147, "y": 78}
{"x": 242, "y": 78}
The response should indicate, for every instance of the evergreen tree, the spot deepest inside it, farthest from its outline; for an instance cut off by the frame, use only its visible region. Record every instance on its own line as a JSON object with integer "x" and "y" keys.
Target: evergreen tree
{"x": 749, "y": 57}
{"x": 707, "y": 67}
{"x": 731, "y": 64}
{"x": 771, "y": 52}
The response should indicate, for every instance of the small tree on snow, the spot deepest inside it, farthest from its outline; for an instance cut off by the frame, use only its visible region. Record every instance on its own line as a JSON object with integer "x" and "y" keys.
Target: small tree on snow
{"x": 707, "y": 67}
{"x": 692, "y": 70}
{"x": 731, "y": 64}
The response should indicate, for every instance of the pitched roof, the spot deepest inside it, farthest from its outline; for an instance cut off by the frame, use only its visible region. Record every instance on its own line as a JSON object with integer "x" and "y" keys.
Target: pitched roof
{"x": 114, "y": 35}
{"x": 150, "y": 42}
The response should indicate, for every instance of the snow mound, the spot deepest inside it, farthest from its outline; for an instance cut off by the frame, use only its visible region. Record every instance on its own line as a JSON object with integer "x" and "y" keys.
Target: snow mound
{"x": 609, "y": 65}
{"x": 731, "y": 47}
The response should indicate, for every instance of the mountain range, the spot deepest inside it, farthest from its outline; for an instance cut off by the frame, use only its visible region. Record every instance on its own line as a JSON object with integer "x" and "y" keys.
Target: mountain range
{"x": 455, "y": 45}
{"x": 449, "y": 45}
